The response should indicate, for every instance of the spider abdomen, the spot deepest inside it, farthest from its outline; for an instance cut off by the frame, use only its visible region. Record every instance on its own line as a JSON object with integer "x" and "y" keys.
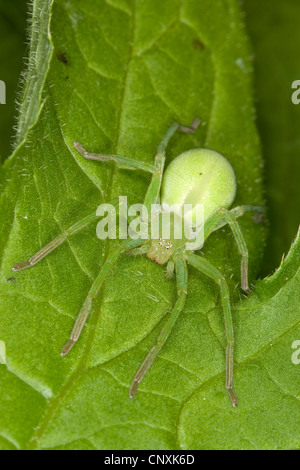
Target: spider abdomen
{"x": 199, "y": 176}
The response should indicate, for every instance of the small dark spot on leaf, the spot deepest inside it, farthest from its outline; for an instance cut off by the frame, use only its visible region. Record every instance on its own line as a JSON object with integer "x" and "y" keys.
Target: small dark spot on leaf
{"x": 198, "y": 44}
{"x": 200, "y": 174}
{"x": 62, "y": 57}
{"x": 11, "y": 279}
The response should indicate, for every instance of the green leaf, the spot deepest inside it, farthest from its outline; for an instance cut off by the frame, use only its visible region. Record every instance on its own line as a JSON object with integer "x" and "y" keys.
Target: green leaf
{"x": 117, "y": 73}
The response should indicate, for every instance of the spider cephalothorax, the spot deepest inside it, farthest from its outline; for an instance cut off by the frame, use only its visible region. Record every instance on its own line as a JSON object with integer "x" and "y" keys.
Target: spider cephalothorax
{"x": 171, "y": 236}
{"x": 160, "y": 250}
{"x": 196, "y": 178}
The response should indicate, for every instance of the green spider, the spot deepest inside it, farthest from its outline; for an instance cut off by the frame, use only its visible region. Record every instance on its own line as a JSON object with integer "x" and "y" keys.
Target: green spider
{"x": 198, "y": 176}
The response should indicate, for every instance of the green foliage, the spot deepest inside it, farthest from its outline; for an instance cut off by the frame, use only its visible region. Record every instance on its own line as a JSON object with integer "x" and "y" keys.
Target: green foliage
{"x": 114, "y": 75}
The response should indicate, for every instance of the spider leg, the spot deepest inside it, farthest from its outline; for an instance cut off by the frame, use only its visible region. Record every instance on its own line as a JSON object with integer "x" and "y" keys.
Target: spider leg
{"x": 170, "y": 269}
{"x": 242, "y": 247}
{"x": 55, "y": 243}
{"x": 204, "y": 266}
{"x": 181, "y": 279}
{"x": 223, "y": 217}
{"x": 153, "y": 192}
{"x": 120, "y": 161}
{"x": 141, "y": 250}
{"x": 218, "y": 220}
{"x": 161, "y": 149}
{"x": 94, "y": 290}
{"x": 152, "y": 195}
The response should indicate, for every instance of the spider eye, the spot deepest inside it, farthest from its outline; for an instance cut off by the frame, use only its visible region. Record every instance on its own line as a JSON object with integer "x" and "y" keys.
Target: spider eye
{"x": 199, "y": 176}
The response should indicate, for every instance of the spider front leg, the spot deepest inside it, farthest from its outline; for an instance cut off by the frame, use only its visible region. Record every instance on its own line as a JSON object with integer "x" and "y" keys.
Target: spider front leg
{"x": 120, "y": 161}
{"x": 181, "y": 280}
{"x": 200, "y": 263}
{"x": 55, "y": 243}
{"x": 153, "y": 192}
{"x": 94, "y": 290}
